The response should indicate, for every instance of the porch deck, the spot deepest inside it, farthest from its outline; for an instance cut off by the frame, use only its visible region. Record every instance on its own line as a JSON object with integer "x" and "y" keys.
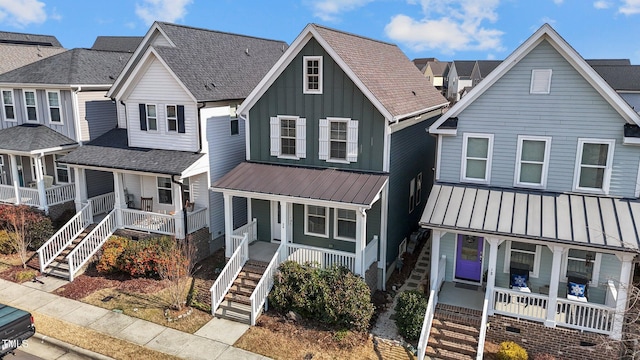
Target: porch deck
{"x": 462, "y": 295}
{"x": 262, "y": 251}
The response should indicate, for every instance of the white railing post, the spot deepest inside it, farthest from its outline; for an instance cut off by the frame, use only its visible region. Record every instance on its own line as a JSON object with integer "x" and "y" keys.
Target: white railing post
{"x": 259, "y": 296}
{"x": 483, "y": 324}
{"x": 553, "y": 284}
{"x": 91, "y": 244}
{"x": 229, "y": 273}
{"x": 16, "y": 179}
{"x": 228, "y": 223}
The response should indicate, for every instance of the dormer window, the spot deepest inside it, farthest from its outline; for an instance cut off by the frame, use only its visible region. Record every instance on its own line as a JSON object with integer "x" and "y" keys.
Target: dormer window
{"x": 148, "y": 117}
{"x": 540, "y": 81}
{"x": 312, "y": 74}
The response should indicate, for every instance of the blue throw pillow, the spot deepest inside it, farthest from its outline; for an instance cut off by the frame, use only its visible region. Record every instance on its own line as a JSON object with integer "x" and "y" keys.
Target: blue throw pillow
{"x": 518, "y": 280}
{"x": 576, "y": 289}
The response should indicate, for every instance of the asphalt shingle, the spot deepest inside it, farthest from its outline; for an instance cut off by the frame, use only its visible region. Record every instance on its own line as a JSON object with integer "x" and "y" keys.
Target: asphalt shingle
{"x": 117, "y": 43}
{"x": 620, "y": 77}
{"x": 31, "y": 137}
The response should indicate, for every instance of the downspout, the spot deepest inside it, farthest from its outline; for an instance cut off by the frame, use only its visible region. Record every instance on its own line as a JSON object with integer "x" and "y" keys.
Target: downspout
{"x": 184, "y": 208}
{"x": 200, "y": 106}
{"x": 76, "y": 113}
{"x": 126, "y": 118}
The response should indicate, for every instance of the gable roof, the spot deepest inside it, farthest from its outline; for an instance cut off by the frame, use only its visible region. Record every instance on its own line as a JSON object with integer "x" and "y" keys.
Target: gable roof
{"x": 598, "y": 62}
{"x": 379, "y": 69}
{"x": 544, "y": 33}
{"x": 620, "y": 77}
{"x": 7, "y": 37}
{"x": 117, "y": 43}
{"x": 72, "y": 67}
{"x": 463, "y": 67}
{"x": 487, "y": 66}
{"x": 27, "y": 138}
{"x": 211, "y": 65}
{"x": 438, "y": 68}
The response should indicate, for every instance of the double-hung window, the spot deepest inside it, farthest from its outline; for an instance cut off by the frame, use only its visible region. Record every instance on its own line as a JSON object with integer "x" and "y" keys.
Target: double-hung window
{"x": 312, "y": 76}
{"x": 477, "y": 151}
{"x": 288, "y": 137}
{"x": 532, "y": 163}
{"x": 186, "y": 190}
{"x": 316, "y": 221}
{"x": 338, "y": 140}
{"x": 31, "y": 105}
{"x": 582, "y": 263}
{"x": 165, "y": 194}
{"x": 593, "y": 165}
{"x": 172, "y": 118}
{"x": 53, "y": 102}
{"x": 62, "y": 170}
{"x": 152, "y": 117}
{"x": 523, "y": 254}
{"x": 8, "y": 105}
{"x": 345, "y": 224}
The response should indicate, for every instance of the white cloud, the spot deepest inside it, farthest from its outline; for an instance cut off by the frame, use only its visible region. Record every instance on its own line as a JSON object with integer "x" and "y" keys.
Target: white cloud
{"x": 448, "y": 26}
{"x": 20, "y": 13}
{"x": 162, "y": 10}
{"x": 630, "y": 7}
{"x": 601, "y": 4}
{"x": 329, "y": 10}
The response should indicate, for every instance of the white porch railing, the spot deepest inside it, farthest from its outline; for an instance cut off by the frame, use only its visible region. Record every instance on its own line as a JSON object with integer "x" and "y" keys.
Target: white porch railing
{"x": 196, "y": 220}
{"x": 520, "y": 305}
{"x": 91, "y": 243}
{"x": 29, "y": 196}
{"x": 60, "y": 194}
{"x": 251, "y": 228}
{"x": 586, "y": 316}
{"x": 236, "y": 240}
{"x": 103, "y": 204}
{"x": 323, "y": 258}
{"x": 483, "y": 326}
{"x": 64, "y": 237}
{"x": 371, "y": 252}
{"x": 260, "y": 293}
{"x": 148, "y": 221}
{"x": 7, "y": 194}
{"x": 431, "y": 309}
{"x": 229, "y": 273}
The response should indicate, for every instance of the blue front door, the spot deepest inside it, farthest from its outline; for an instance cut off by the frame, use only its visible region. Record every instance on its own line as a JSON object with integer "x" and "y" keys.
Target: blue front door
{"x": 469, "y": 258}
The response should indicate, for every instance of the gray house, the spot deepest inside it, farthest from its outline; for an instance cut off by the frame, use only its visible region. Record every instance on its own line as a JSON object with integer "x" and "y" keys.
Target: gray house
{"x": 459, "y": 77}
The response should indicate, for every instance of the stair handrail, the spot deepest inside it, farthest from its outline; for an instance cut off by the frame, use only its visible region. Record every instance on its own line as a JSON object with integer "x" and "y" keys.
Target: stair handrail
{"x": 91, "y": 243}
{"x": 65, "y": 236}
{"x": 426, "y": 324}
{"x": 229, "y": 273}
{"x": 260, "y": 293}
{"x": 483, "y": 326}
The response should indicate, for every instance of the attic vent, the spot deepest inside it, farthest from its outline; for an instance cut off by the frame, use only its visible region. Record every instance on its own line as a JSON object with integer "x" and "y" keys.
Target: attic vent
{"x": 540, "y": 81}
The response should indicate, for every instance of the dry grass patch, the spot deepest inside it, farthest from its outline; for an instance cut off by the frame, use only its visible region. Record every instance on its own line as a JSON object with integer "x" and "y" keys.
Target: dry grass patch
{"x": 95, "y": 341}
{"x": 150, "y": 307}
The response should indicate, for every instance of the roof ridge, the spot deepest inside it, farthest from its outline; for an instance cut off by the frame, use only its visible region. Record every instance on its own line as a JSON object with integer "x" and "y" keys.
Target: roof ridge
{"x": 354, "y": 35}
{"x": 217, "y": 31}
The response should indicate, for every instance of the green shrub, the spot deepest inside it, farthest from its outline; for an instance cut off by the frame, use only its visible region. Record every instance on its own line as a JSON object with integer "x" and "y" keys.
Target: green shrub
{"x": 5, "y": 243}
{"x": 334, "y": 296}
{"x": 511, "y": 351}
{"x": 111, "y": 252}
{"x": 410, "y": 310}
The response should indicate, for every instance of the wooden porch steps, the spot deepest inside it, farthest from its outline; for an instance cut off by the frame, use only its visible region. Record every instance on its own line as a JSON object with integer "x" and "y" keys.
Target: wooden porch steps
{"x": 454, "y": 333}
{"x": 236, "y": 305}
{"x": 59, "y": 267}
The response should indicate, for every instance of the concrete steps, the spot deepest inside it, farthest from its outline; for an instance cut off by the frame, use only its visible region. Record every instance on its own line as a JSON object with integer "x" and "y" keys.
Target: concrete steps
{"x": 454, "y": 333}
{"x": 236, "y": 305}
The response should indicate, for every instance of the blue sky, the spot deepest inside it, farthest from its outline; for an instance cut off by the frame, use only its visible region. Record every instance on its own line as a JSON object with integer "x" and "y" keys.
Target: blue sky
{"x": 446, "y": 29}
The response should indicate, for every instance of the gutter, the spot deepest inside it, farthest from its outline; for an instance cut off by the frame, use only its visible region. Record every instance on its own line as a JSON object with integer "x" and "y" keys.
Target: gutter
{"x": 397, "y": 118}
{"x": 184, "y": 208}
{"x": 199, "y": 106}
{"x": 76, "y": 111}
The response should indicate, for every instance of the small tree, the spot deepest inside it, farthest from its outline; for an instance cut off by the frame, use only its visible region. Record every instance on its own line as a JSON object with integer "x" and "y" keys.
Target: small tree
{"x": 177, "y": 266}
{"x": 19, "y": 221}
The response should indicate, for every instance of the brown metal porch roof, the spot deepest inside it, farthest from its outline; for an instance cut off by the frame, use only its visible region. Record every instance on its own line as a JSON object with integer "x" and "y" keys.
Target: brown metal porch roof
{"x": 304, "y": 183}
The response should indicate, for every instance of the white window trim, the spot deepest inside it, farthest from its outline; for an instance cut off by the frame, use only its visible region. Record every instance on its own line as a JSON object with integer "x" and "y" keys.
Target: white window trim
{"x": 412, "y": 195}
{"x": 166, "y": 115}
{"x": 305, "y": 79}
{"x": 595, "y": 274}
{"x": 536, "y": 260}
{"x": 306, "y": 222}
{"x": 324, "y": 140}
{"x": 170, "y": 188}
{"x": 59, "y": 166}
{"x": 49, "y": 107}
{"x": 13, "y": 104}
{"x": 35, "y": 100}
{"x": 463, "y": 165}
{"x": 545, "y": 164}
{"x": 275, "y": 136}
{"x": 335, "y": 225}
{"x": 418, "y": 188}
{"x": 533, "y": 76}
{"x": 608, "y": 167}
{"x": 147, "y": 117}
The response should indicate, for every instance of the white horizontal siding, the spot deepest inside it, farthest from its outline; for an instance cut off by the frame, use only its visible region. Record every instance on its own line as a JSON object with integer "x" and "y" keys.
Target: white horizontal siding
{"x": 572, "y": 110}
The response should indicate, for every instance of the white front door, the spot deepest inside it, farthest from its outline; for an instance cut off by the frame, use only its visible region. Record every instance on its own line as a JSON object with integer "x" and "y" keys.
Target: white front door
{"x": 276, "y": 222}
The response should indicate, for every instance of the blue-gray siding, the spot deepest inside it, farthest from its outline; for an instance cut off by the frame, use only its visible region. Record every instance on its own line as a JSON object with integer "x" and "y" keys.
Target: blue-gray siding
{"x": 101, "y": 117}
{"x": 98, "y": 182}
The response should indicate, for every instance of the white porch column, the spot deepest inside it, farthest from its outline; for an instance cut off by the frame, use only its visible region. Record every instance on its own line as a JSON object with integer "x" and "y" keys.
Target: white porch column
{"x": 81, "y": 187}
{"x": 120, "y": 201}
{"x": 435, "y": 257}
{"x": 553, "y": 285}
{"x": 284, "y": 229}
{"x": 40, "y": 184}
{"x": 16, "y": 179}
{"x": 491, "y": 271}
{"x": 178, "y": 214}
{"x": 623, "y": 290}
{"x": 361, "y": 240}
{"x": 228, "y": 224}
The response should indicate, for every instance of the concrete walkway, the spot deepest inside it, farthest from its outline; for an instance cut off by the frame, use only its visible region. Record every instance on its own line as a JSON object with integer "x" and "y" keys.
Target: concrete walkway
{"x": 213, "y": 341}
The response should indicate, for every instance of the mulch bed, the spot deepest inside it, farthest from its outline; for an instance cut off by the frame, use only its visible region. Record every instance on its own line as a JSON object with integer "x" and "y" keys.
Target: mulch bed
{"x": 206, "y": 272}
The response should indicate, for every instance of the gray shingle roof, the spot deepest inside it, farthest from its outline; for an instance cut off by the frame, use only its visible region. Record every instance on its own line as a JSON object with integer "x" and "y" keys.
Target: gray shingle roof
{"x": 117, "y": 43}
{"x": 76, "y": 66}
{"x": 620, "y": 77}
{"x": 385, "y": 70}
{"x": 112, "y": 151}
{"x": 216, "y": 65}
{"x": 31, "y": 137}
{"x": 596, "y": 62}
{"x": 464, "y": 67}
{"x": 7, "y": 37}
{"x": 487, "y": 66}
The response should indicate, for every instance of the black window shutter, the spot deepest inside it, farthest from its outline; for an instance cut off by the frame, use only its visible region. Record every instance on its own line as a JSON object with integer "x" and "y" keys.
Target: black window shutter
{"x": 181, "y": 128}
{"x": 143, "y": 117}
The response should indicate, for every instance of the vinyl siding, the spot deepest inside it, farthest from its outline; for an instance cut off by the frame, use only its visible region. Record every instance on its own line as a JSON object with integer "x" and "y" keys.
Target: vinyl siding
{"x": 572, "y": 110}
{"x": 340, "y": 98}
{"x": 97, "y": 114}
{"x": 98, "y": 182}
{"x": 155, "y": 85}
{"x": 448, "y": 248}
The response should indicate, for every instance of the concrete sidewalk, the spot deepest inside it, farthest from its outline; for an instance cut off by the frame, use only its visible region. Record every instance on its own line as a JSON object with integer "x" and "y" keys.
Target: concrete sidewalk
{"x": 213, "y": 341}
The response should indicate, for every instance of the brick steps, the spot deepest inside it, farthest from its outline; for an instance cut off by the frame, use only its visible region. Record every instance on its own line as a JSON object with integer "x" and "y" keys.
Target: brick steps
{"x": 237, "y": 305}
{"x": 454, "y": 333}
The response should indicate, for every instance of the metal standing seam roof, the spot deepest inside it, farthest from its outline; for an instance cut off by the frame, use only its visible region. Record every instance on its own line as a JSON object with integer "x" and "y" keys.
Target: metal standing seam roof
{"x": 304, "y": 183}
{"x": 593, "y": 221}
{"x": 32, "y": 137}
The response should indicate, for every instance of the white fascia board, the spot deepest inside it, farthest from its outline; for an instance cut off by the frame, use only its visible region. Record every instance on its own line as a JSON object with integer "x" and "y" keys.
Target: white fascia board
{"x": 631, "y": 141}
{"x": 54, "y": 149}
{"x": 200, "y": 166}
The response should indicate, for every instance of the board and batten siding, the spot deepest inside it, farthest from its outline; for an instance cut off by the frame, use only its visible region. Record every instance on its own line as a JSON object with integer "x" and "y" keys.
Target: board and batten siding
{"x": 97, "y": 114}
{"x": 226, "y": 151}
{"x": 573, "y": 109}
{"x": 155, "y": 85}
{"x": 340, "y": 98}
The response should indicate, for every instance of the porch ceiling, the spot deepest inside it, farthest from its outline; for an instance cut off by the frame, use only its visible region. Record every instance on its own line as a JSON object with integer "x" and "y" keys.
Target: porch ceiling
{"x": 111, "y": 151}
{"x": 304, "y": 183}
{"x": 596, "y": 221}
{"x": 29, "y": 138}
